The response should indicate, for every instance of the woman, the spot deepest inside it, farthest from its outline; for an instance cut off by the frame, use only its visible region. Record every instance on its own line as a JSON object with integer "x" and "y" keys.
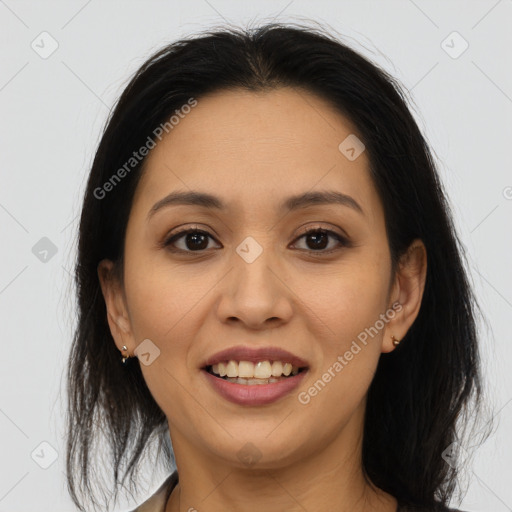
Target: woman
{"x": 266, "y": 245}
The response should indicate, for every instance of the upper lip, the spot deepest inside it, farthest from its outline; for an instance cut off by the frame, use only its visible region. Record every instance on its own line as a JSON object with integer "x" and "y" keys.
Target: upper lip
{"x": 244, "y": 353}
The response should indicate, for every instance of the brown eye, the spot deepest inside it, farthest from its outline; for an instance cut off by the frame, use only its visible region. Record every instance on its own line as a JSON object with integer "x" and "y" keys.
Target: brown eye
{"x": 194, "y": 240}
{"x": 317, "y": 239}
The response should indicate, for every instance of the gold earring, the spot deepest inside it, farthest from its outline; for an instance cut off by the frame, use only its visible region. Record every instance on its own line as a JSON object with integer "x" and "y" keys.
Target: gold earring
{"x": 396, "y": 341}
{"x": 125, "y": 357}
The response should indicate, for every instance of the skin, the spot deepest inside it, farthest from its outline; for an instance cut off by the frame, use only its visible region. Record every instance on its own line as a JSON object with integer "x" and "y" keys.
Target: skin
{"x": 253, "y": 150}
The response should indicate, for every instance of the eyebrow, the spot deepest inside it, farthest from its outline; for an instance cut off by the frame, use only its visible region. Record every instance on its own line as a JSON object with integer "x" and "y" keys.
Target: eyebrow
{"x": 205, "y": 200}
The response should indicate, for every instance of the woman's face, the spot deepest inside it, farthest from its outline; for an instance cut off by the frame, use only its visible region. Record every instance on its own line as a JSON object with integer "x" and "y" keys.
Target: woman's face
{"x": 252, "y": 280}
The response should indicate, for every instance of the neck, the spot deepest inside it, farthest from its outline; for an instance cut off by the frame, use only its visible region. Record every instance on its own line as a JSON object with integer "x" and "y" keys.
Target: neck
{"x": 331, "y": 478}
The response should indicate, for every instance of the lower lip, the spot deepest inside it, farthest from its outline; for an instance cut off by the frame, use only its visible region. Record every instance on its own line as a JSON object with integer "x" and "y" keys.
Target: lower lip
{"x": 256, "y": 394}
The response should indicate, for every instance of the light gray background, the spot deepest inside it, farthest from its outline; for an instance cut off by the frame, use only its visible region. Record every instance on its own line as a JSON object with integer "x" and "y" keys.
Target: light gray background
{"x": 52, "y": 113}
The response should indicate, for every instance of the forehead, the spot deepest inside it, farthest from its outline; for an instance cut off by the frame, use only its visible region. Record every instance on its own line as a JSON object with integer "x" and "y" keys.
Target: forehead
{"x": 257, "y": 148}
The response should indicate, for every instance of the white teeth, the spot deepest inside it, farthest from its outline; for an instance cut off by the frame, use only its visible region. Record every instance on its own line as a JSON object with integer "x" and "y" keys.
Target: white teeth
{"x": 232, "y": 369}
{"x": 245, "y": 369}
{"x": 277, "y": 368}
{"x": 261, "y": 372}
{"x": 252, "y": 382}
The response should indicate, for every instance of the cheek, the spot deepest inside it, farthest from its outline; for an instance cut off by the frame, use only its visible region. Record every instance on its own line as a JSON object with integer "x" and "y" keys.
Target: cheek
{"x": 163, "y": 308}
{"x": 160, "y": 298}
{"x": 350, "y": 300}
{"x": 348, "y": 333}
{"x": 167, "y": 306}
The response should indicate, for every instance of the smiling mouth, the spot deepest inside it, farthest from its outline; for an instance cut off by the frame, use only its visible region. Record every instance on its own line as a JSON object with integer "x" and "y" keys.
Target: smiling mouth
{"x": 250, "y": 374}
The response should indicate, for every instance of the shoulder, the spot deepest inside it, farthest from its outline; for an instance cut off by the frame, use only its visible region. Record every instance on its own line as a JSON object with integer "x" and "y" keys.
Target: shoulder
{"x": 156, "y": 502}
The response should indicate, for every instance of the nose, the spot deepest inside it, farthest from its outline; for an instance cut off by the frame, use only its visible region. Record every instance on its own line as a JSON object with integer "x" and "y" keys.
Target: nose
{"x": 255, "y": 294}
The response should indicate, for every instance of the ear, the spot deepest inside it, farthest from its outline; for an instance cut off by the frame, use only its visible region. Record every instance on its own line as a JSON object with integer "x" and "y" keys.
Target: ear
{"x": 117, "y": 311}
{"x": 407, "y": 293}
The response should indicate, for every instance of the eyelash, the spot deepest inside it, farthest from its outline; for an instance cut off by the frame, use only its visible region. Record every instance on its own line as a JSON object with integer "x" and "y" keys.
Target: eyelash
{"x": 180, "y": 234}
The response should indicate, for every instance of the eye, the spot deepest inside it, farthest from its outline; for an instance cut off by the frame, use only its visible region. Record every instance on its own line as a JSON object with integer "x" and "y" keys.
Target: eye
{"x": 320, "y": 239}
{"x": 195, "y": 240}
